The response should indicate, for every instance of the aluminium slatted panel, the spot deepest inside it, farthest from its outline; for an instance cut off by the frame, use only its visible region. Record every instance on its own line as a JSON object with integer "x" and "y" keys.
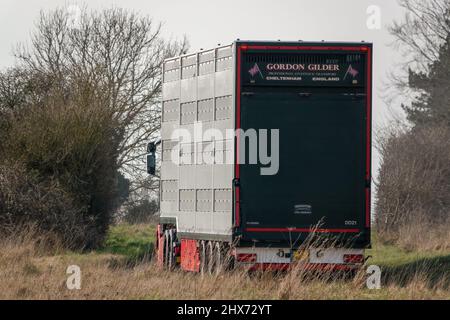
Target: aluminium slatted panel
{"x": 205, "y": 110}
{"x": 204, "y": 200}
{"x": 187, "y": 200}
{"x": 170, "y": 110}
{"x": 202, "y": 79}
{"x": 222, "y": 200}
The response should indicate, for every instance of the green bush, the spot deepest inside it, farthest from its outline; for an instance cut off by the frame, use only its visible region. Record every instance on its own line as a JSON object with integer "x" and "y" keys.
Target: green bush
{"x": 81, "y": 103}
{"x": 141, "y": 212}
{"x": 66, "y": 146}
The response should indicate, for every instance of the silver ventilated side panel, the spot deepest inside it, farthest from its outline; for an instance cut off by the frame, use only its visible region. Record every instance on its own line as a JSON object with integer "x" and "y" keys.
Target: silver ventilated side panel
{"x": 196, "y": 175}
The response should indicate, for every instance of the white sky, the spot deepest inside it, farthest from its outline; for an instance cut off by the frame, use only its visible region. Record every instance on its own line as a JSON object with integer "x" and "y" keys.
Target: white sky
{"x": 209, "y": 22}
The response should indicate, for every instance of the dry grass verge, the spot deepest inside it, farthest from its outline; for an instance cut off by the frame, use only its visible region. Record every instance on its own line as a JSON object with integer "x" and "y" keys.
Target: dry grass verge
{"x": 27, "y": 272}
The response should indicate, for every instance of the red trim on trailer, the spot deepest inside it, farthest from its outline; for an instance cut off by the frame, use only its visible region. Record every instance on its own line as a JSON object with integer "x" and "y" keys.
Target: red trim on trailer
{"x": 318, "y": 48}
{"x": 301, "y": 230}
{"x": 270, "y": 266}
{"x": 159, "y": 246}
{"x": 367, "y": 207}
{"x": 306, "y": 267}
{"x": 353, "y": 258}
{"x": 330, "y": 267}
{"x": 368, "y": 106}
{"x": 237, "y": 208}
{"x": 369, "y": 132}
{"x": 246, "y": 257}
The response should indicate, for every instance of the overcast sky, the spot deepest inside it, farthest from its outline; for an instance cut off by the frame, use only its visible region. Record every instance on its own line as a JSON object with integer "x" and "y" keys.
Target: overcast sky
{"x": 209, "y": 22}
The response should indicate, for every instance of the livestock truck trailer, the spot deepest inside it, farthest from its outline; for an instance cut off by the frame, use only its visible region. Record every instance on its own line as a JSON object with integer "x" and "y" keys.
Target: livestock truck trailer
{"x": 265, "y": 145}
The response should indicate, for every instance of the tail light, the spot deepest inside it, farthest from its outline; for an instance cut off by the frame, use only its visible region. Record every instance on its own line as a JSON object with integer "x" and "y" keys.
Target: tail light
{"x": 246, "y": 257}
{"x": 353, "y": 258}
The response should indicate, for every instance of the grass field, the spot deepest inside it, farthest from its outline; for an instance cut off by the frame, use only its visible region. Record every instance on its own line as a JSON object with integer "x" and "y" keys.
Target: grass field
{"x": 123, "y": 270}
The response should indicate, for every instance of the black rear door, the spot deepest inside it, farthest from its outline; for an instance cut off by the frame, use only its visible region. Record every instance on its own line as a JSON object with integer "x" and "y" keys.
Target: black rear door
{"x": 320, "y": 178}
{"x": 321, "y": 116}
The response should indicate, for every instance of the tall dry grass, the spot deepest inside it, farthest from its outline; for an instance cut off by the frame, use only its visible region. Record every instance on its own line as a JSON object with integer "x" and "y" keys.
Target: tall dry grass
{"x": 413, "y": 188}
{"x": 421, "y": 234}
{"x": 31, "y": 270}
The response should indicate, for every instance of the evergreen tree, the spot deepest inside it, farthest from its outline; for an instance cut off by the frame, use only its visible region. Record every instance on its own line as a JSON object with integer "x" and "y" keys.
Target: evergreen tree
{"x": 433, "y": 104}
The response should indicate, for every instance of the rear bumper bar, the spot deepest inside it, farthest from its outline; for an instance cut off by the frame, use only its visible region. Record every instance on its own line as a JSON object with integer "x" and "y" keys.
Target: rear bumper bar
{"x": 325, "y": 267}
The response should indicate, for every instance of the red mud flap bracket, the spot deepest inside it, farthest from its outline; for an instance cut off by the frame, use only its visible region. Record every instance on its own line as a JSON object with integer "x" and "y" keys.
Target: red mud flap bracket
{"x": 190, "y": 255}
{"x": 159, "y": 246}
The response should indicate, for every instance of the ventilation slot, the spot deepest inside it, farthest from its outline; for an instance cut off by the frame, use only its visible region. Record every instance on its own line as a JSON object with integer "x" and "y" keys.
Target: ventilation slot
{"x": 204, "y": 200}
{"x": 223, "y": 107}
{"x": 187, "y": 154}
{"x": 188, "y": 112}
{"x": 222, "y": 200}
{"x": 170, "y": 110}
{"x": 167, "y": 148}
{"x": 187, "y": 199}
{"x": 206, "y": 110}
{"x": 316, "y": 58}
{"x": 169, "y": 189}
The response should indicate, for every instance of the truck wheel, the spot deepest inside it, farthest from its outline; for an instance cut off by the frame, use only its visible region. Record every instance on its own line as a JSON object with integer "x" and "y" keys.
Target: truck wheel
{"x": 166, "y": 248}
{"x": 202, "y": 252}
{"x": 159, "y": 247}
{"x": 210, "y": 257}
{"x": 229, "y": 262}
{"x": 350, "y": 275}
{"x": 218, "y": 257}
{"x": 171, "y": 255}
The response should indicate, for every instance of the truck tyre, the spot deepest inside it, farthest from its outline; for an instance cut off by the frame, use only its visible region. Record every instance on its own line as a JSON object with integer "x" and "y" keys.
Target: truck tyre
{"x": 166, "y": 249}
{"x": 210, "y": 257}
{"x": 228, "y": 258}
{"x": 202, "y": 253}
{"x": 171, "y": 255}
{"x": 350, "y": 275}
{"x": 218, "y": 257}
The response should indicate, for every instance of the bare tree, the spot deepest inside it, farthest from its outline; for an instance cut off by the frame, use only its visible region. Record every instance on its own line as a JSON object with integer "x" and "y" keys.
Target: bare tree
{"x": 419, "y": 37}
{"x": 11, "y": 88}
{"x": 413, "y": 181}
{"x": 425, "y": 28}
{"x": 120, "y": 52}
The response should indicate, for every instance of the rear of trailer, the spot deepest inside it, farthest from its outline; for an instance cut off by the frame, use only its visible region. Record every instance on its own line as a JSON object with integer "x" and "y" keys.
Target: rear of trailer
{"x": 314, "y": 99}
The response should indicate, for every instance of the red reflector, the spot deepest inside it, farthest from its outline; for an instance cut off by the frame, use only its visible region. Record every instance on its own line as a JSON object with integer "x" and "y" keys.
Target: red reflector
{"x": 246, "y": 257}
{"x": 353, "y": 258}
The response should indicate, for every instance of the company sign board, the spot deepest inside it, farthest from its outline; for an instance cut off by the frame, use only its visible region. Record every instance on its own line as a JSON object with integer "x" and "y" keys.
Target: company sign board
{"x": 304, "y": 70}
